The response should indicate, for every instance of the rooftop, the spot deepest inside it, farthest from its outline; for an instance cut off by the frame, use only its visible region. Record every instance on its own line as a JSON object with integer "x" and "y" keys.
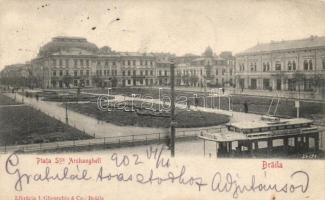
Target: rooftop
{"x": 264, "y": 123}
{"x": 311, "y": 42}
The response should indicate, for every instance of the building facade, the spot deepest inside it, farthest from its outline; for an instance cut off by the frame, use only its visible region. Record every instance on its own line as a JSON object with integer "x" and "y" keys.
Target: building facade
{"x": 295, "y": 67}
{"x": 70, "y": 62}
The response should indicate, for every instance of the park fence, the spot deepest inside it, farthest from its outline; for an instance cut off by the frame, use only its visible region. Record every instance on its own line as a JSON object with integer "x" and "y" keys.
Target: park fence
{"x": 105, "y": 142}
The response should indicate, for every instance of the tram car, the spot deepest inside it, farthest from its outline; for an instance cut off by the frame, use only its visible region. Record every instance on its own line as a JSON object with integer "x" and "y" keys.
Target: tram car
{"x": 264, "y": 137}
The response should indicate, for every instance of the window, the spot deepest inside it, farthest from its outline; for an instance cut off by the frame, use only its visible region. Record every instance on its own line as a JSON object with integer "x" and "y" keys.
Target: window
{"x": 104, "y": 72}
{"x": 87, "y": 73}
{"x": 223, "y": 71}
{"x": 151, "y": 72}
{"x": 81, "y": 63}
{"x": 291, "y": 84}
{"x": 151, "y": 63}
{"x": 75, "y": 62}
{"x": 106, "y": 63}
{"x": 134, "y": 72}
{"x": 114, "y": 63}
{"x": 54, "y": 62}
{"x": 54, "y": 73}
{"x": 323, "y": 64}
{"x": 308, "y": 85}
{"x": 289, "y": 66}
{"x": 230, "y": 72}
{"x": 141, "y": 72}
{"x": 141, "y": 63}
{"x": 216, "y": 71}
{"x": 305, "y": 65}
{"x": 129, "y": 73}
{"x": 266, "y": 84}
{"x": 133, "y": 62}
{"x": 67, "y": 63}
{"x": 75, "y": 73}
{"x": 87, "y": 82}
{"x": 67, "y": 72}
{"x": 61, "y": 73}
{"x": 146, "y": 72}
{"x": 129, "y": 82}
{"x": 60, "y": 63}
{"x": 87, "y": 63}
{"x": 277, "y": 66}
{"x": 107, "y": 72}
{"x": 129, "y": 62}
{"x": 146, "y": 63}
{"x": 81, "y": 72}
{"x": 264, "y": 67}
{"x": 165, "y": 72}
{"x": 310, "y": 65}
{"x": 294, "y": 65}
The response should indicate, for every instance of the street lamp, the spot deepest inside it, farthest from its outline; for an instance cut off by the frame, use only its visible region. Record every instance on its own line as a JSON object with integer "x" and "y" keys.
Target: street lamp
{"x": 172, "y": 113}
{"x": 66, "y": 111}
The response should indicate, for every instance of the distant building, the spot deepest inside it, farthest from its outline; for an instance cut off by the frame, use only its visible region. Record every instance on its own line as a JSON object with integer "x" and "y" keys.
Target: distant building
{"x": 70, "y": 62}
{"x": 206, "y": 70}
{"x": 295, "y": 68}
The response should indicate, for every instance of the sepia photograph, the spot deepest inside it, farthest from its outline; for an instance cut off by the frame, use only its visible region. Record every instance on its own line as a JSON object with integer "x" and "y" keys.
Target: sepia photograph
{"x": 152, "y": 99}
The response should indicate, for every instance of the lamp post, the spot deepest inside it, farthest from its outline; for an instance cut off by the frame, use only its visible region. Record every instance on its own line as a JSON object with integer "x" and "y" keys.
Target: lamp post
{"x": 66, "y": 112}
{"x": 172, "y": 113}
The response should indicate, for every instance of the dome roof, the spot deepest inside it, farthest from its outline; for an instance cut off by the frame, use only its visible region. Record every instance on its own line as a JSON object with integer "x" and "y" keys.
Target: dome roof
{"x": 66, "y": 43}
{"x": 208, "y": 52}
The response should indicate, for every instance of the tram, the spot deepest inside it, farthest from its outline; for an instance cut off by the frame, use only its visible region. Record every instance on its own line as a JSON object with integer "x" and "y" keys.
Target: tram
{"x": 266, "y": 136}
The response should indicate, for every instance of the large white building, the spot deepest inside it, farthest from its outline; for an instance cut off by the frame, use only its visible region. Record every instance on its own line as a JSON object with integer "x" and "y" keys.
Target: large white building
{"x": 294, "y": 68}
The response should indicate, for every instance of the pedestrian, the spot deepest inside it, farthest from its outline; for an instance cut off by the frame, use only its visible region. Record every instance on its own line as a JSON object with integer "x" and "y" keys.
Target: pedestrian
{"x": 196, "y": 101}
{"x": 246, "y": 107}
{"x": 188, "y": 103}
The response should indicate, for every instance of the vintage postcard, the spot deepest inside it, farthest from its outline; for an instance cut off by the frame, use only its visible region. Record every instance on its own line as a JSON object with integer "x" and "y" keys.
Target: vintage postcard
{"x": 162, "y": 99}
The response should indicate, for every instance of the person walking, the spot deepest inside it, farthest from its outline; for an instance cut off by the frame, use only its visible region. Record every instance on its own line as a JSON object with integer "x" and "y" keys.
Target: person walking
{"x": 246, "y": 107}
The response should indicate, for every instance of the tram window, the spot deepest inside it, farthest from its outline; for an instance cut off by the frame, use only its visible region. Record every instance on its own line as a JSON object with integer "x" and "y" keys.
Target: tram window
{"x": 265, "y": 129}
{"x": 280, "y": 127}
{"x": 297, "y": 125}
{"x": 255, "y": 130}
{"x": 237, "y": 130}
{"x": 273, "y": 128}
{"x": 289, "y": 126}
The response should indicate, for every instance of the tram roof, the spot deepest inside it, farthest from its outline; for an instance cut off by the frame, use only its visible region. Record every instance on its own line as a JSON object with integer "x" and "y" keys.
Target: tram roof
{"x": 264, "y": 123}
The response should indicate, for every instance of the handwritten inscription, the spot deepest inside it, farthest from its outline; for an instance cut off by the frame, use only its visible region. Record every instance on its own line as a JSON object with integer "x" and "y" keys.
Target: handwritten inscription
{"x": 160, "y": 173}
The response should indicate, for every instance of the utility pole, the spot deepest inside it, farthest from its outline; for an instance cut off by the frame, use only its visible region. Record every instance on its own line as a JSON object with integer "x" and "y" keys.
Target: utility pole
{"x": 172, "y": 113}
{"x": 66, "y": 111}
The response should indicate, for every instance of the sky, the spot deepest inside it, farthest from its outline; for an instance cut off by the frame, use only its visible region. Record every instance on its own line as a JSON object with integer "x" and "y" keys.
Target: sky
{"x": 175, "y": 26}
